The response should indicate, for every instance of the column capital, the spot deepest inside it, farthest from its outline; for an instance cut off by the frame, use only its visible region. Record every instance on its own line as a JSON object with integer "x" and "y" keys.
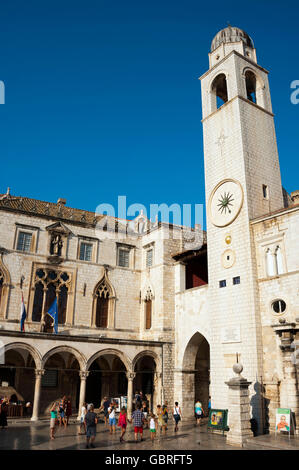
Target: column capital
{"x": 39, "y": 372}
{"x": 130, "y": 375}
{"x": 83, "y": 374}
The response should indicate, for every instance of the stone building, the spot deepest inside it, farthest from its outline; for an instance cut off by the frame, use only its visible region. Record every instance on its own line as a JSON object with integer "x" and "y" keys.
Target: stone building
{"x": 139, "y": 309}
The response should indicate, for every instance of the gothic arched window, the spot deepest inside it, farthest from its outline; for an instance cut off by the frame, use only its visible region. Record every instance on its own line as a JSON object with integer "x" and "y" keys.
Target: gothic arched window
{"x": 48, "y": 285}
{"x": 103, "y": 304}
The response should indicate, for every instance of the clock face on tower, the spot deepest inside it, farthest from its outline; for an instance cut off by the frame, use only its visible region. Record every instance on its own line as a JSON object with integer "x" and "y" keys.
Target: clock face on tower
{"x": 225, "y": 202}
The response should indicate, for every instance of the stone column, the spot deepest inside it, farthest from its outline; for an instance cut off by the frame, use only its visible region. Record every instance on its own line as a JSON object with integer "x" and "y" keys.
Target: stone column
{"x": 289, "y": 393}
{"x": 83, "y": 376}
{"x": 158, "y": 389}
{"x": 238, "y": 409}
{"x": 38, "y": 378}
{"x": 130, "y": 377}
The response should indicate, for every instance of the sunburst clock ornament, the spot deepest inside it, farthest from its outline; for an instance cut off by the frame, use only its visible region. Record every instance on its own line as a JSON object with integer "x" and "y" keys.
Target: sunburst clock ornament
{"x": 225, "y": 202}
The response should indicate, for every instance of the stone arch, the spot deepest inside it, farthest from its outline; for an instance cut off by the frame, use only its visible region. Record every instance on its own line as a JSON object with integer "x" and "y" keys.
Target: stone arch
{"x": 196, "y": 373}
{"x": 148, "y": 353}
{"x": 34, "y": 353}
{"x": 253, "y": 83}
{"x": 107, "y": 352}
{"x": 61, "y": 349}
{"x": 218, "y": 90}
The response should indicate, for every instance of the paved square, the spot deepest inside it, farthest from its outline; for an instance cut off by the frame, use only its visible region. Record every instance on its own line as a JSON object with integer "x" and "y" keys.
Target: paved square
{"x": 35, "y": 436}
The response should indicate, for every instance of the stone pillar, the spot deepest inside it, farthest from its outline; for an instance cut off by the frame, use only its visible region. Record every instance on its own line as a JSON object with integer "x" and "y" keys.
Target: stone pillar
{"x": 238, "y": 409}
{"x": 289, "y": 393}
{"x": 38, "y": 378}
{"x": 271, "y": 402}
{"x": 158, "y": 389}
{"x": 130, "y": 377}
{"x": 83, "y": 376}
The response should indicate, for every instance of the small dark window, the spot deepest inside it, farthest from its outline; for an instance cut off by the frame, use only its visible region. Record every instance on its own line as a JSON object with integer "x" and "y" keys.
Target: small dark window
{"x": 265, "y": 191}
{"x": 149, "y": 258}
{"x": 279, "y": 306}
{"x": 222, "y": 283}
{"x": 50, "y": 378}
{"x": 123, "y": 258}
{"x": 24, "y": 241}
{"x": 236, "y": 280}
{"x": 85, "y": 251}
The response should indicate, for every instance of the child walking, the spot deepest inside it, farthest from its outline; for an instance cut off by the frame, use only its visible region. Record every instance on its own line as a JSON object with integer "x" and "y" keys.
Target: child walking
{"x": 153, "y": 424}
{"x": 122, "y": 422}
{"x": 112, "y": 419}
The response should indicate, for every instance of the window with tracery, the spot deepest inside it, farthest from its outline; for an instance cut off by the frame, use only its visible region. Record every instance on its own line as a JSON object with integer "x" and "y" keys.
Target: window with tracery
{"x": 102, "y": 305}
{"x": 47, "y": 285}
{"x": 274, "y": 261}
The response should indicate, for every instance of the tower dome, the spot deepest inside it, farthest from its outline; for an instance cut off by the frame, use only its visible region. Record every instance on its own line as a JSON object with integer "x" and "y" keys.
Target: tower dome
{"x": 231, "y": 34}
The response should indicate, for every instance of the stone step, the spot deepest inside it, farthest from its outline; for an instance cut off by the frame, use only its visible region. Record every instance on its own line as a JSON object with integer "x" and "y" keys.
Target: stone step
{"x": 272, "y": 442}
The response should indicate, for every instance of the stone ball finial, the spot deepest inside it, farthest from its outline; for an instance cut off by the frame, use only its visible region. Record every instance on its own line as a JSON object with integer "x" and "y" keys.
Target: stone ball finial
{"x": 237, "y": 368}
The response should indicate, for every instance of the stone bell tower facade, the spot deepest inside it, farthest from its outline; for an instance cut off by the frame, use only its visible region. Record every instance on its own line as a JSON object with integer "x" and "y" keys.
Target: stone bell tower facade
{"x": 242, "y": 180}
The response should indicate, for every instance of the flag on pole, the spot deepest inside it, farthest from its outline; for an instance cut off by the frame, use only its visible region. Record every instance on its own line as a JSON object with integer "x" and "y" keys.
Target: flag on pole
{"x": 23, "y": 314}
{"x": 53, "y": 312}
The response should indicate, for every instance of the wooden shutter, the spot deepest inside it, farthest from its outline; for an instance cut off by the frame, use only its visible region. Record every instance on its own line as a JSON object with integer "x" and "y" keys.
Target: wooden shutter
{"x": 148, "y": 314}
{"x": 102, "y": 312}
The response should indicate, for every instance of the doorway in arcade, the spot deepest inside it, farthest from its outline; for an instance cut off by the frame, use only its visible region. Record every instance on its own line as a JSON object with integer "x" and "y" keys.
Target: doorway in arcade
{"x": 107, "y": 378}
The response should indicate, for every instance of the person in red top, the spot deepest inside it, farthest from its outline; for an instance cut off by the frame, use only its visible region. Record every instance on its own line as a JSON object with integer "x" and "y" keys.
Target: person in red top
{"x": 122, "y": 422}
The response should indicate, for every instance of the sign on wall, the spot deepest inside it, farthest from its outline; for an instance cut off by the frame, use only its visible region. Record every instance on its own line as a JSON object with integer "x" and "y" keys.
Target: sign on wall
{"x": 231, "y": 334}
{"x": 283, "y": 420}
{"x": 218, "y": 419}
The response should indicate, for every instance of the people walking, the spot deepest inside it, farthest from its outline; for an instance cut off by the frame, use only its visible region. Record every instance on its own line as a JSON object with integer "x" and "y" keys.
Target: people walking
{"x": 3, "y": 413}
{"x": 177, "y": 415}
{"x": 159, "y": 418}
{"x": 164, "y": 419}
{"x": 91, "y": 426}
{"x": 62, "y": 408}
{"x": 53, "y": 419}
{"x": 122, "y": 422}
{"x": 199, "y": 412}
{"x": 138, "y": 419}
{"x": 104, "y": 408}
{"x": 68, "y": 410}
{"x": 145, "y": 412}
{"x": 82, "y": 419}
{"x": 112, "y": 419}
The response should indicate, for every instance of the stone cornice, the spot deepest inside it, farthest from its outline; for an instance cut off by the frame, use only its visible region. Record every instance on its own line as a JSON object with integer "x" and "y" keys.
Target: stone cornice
{"x": 82, "y": 338}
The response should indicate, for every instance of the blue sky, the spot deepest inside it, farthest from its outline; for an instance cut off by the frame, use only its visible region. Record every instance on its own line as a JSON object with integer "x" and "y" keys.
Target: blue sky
{"x": 103, "y": 97}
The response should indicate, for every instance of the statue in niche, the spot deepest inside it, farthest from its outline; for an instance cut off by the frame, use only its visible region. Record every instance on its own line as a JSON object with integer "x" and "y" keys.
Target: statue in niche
{"x": 56, "y": 245}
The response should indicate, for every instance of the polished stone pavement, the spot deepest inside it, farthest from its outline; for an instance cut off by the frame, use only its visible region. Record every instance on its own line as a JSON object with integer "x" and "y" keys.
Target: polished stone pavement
{"x": 35, "y": 436}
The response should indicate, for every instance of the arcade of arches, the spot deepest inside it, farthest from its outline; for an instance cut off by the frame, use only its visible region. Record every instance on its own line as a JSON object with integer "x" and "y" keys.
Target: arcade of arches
{"x": 27, "y": 377}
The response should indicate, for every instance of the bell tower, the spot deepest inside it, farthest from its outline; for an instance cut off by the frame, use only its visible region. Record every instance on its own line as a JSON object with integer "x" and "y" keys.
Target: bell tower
{"x": 242, "y": 182}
